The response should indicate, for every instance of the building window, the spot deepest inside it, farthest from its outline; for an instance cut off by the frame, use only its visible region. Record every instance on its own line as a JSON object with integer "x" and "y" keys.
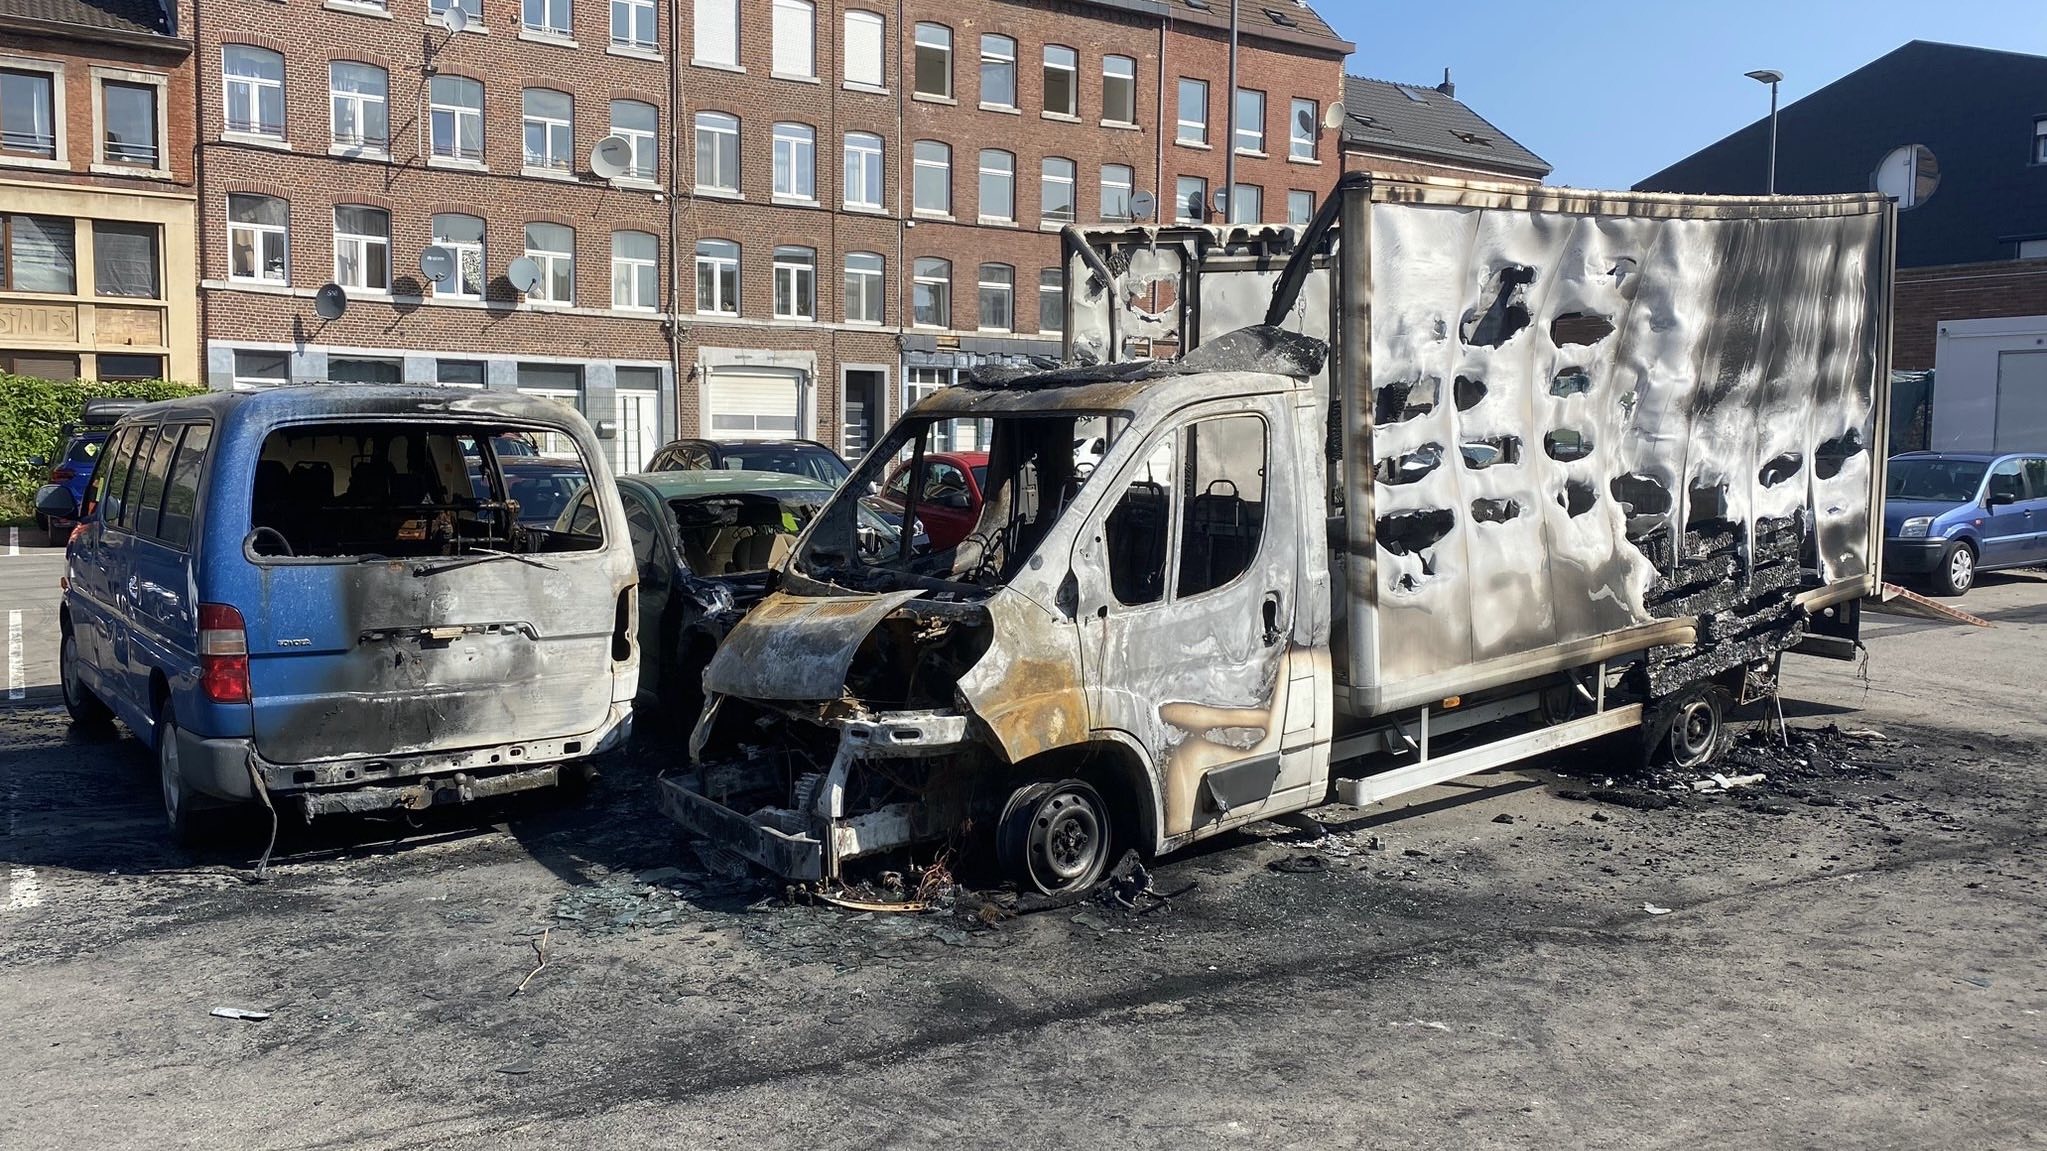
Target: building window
{"x": 1055, "y": 190}
{"x": 262, "y": 369}
{"x": 128, "y": 124}
{"x": 1251, "y": 121}
{"x": 462, "y": 236}
{"x": 1190, "y": 200}
{"x": 547, "y": 17}
{"x": 1051, "y": 300}
{"x": 1119, "y": 89}
{"x": 549, "y": 119}
{"x": 1300, "y": 207}
{"x": 1193, "y": 128}
{"x": 553, "y": 247}
{"x": 125, "y": 260}
{"x": 1116, "y": 184}
{"x": 635, "y": 271}
{"x": 998, "y": 185}
{"x": 863, "y": 288}
{"x": 934, "y": 177}
{"x": 717, "y": 152}
{"x": 640, "y": 125}
{"x": 862, "y": 64}
{"x": 795, "y": 161}
{"x": 1247, "y": 204}
{"x": 2033, "y": 249}
{"x": 998, "y": 297}
{"x": 795, "y": 283}
{"x": 253, "y": 80}
{"x": 362, "y": 247}
{"x": 717, "y": 28}
{"x": 39, "y": 254}
{"x": 998, "y": 72}
{"x": 472, "y": 8}
{"x": 361, "y": 113}
{"x": 717, "y": 277}
{"x": 562, "y": 383}
{"x": 633, "y": 24}
{"x": 459, "y": 373}
{"x": 795, "y": 39}
{"x": 123, "y": 366}
{"x": 365, "y": 370}
{"x": 1062, "y": 76}
{"x": 1303, "y": 128}
{"x": 931, "y": 293}
{"x": 2040, "y": 140}
{"x": 28, "y": 113}
{"x": 258, "y": 239}
{"x": 934, "y": 60}
{"x": 863, "y": 170}
{"x": 455, "y": 110}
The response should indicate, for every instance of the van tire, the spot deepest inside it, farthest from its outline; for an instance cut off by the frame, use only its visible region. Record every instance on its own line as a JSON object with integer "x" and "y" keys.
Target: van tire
{"x": 1697, "y": 731}
{"x": 1056, "y": 838}
{"x": 57, "y": 533}
{"x": 88, "y": 711}
{"x": 180, "y": 812}
{"x": 1957, "y": 571}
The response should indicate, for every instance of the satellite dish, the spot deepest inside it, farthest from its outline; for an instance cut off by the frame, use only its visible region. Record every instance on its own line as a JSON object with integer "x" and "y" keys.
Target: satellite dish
{"x": 1142, "y": 204}
{"x": 436, "y": 263}
{"x": 330, "y": 301}
{"x": 612, "y": 157}
{"x": 1332, "y": 117}
{"x": 524, "y": 274}
{"x": 453, "y": 18}
{"x": 1908, "y": 175}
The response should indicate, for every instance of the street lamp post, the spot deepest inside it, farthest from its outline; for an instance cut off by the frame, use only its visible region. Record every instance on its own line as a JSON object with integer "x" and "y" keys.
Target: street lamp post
{"x": 1772, "y": 77}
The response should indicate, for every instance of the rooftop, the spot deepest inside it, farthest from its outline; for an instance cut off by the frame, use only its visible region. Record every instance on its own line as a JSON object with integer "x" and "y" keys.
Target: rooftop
{"x": 128, "y": 17}
{"x": 1428, "y": 123}
{"x": 1286, "y": 21}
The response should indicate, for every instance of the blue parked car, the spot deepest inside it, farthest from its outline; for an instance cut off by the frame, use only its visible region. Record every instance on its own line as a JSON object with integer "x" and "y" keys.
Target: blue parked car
{"x": 1950, "y": 515}
{"x": 325, "y": 598}
{"x": 78, "y": 456}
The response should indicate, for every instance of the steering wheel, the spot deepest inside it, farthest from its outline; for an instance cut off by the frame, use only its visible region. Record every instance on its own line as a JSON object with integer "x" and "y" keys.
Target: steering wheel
{"x": 272, "y": 533}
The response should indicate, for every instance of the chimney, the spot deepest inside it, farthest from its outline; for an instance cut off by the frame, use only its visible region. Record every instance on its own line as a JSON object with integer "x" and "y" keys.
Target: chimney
{"x": 1446, "y": 87}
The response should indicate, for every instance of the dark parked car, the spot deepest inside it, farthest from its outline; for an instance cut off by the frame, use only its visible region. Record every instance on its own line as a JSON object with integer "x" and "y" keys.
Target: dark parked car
{"x": 1950, "y": 515}
{"x": 707, "y": 544}
{"x": 542, "y": 485}
{"x": 78, "y": 457}
{"x": 790, "y": 457}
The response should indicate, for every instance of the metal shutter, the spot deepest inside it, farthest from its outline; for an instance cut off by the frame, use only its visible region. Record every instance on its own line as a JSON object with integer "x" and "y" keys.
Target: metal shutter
{"x": 754, "y": 404}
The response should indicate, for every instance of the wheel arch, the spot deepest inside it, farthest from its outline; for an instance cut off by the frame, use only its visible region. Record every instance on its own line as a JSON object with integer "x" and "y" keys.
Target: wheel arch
{"x": 1111, "y": 763}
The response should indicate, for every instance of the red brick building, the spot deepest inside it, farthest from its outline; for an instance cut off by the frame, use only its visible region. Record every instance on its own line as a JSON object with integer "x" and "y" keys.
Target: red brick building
{"x": 853, "y": 202}
{"x": 96, "y": 190}
{"x": 1928, "y": 296}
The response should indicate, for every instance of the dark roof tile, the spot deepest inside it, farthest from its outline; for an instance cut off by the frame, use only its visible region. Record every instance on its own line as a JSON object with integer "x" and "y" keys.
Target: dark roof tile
{"x": 143, "y": 16}
{"x": 1425, "y": 123}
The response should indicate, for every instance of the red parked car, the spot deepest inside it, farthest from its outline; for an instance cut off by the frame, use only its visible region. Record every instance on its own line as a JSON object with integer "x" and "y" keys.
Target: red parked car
{"x": 950, "y": 502}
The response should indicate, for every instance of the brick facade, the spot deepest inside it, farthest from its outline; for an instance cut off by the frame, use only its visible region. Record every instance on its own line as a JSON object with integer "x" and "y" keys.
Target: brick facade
{"x": 1928, "y": 296}
{"x": 408, "y": 323}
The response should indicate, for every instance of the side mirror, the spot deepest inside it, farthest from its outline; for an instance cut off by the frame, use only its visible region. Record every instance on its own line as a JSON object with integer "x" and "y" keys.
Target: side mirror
{"x": 1999, "y": 499}
{"x": 38, "y": 462}
{"x": 56, "y": 502}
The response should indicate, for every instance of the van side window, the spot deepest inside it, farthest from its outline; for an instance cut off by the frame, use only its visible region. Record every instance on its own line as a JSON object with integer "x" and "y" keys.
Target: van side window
{"x": 181, "y": 494}
{"x": 131, "y": 481}
{"x": 1136, "y": 530}
{"x": 113, "y": 472}
{"x": 158, "y": 469}
{"x": 1223, "y": 502}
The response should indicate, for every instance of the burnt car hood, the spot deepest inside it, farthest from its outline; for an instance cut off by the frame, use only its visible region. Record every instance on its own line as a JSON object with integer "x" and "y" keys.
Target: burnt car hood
{"x": 792, "y": 647}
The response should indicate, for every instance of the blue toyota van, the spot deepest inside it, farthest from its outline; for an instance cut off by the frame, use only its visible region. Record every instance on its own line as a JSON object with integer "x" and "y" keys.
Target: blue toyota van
{"x": 325, "y": 597}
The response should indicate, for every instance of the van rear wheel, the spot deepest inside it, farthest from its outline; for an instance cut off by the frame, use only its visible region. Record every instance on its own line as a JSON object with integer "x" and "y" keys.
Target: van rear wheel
{"x": 1055, "y": 837}
{"x": 179, "y": 812}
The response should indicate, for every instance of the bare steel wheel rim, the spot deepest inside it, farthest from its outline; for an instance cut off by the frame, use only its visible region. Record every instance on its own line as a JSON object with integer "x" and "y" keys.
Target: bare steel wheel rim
{"x": 1695, "y": 729}
{"x": 1066, "y": 839}
{"x": 1961, "y": 567}
{"x": 167, "y": 768}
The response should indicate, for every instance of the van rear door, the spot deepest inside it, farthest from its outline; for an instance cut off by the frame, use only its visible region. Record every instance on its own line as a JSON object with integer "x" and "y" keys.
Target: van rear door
{"x": 400, "y": 608}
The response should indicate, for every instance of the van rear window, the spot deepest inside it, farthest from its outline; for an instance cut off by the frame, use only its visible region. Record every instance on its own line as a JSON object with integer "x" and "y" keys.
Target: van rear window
{"x": 370, "y": 490}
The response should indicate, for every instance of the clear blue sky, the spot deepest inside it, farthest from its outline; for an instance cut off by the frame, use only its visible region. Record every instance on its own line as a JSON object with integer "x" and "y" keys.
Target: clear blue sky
{"x": 1611, "y": 92}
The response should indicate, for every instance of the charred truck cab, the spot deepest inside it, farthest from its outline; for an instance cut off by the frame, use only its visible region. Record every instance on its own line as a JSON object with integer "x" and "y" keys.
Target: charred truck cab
{"x": 1529, "y": 466}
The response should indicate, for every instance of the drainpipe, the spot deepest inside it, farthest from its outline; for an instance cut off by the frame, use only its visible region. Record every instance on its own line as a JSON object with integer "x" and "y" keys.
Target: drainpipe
{"x": 673, "y": 321}
{"x": 1158, "y": 168}
{"x": 1230, "y": 141}
{"x": 200, "y": 215}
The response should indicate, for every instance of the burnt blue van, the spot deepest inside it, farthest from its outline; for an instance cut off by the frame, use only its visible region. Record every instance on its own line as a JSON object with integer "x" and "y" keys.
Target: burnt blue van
{"x": 329, "y": 593}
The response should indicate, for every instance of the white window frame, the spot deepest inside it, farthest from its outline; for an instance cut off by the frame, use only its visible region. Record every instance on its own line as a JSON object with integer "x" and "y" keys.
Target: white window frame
{"x": 1250, "y": 128}
{"x": 360, "y": 245}
{"x": 724, "y": 128}
{"x": 919, "y": 165}
{"x": 919, "y": 45}
{"x": 794, "y": 55}
{"x": 795, "y": 148}
{"x": 1257, "y": 193}
{"x": 1180, "y": 199}
{"x": 863, "y": 159}
{"x": 1053, "y": 294}
{"x": 557, "y": 18}
{"x": 259, "y": 235}
{"x": 635, "y": 267}
{"x": 634, "y": 11}
{"x": 1190, "y": 132}
{"x": 708, "y": 15}
{"x": 1006, "y": 171}
{"x": 863, "y": 66}
{"x": 983, "y": 285}
{"x": 550, "y": 260}
{"x": 250, "y": 89}
{"x": 919, "y": 278}
{"x": 873, "y": 285}
{"x": 252, "y": 383}
{"x": 646, "y": 143}
{"x": 456, "y": 114}
{"x": 718, "y": 264}
{"x": 1301, "y": 145}
{"x": 554, "y": 129}
{"x": 1072, "y": 69}
{"x": 59, "y": 156}
{"x": 1128, "y": 77}
{"x": 101, "y": 163}
{"x": 998, "y": 56}
{"x": 1072, "y": 181}
{"x": 792, "y": 274}
{"x": 1294, "y": 197}
{"x": 361, "y": 104}
{"x": 461, "y": 250}
{"x": 1127, "y": 181}
{"x": 2040, "y": 140}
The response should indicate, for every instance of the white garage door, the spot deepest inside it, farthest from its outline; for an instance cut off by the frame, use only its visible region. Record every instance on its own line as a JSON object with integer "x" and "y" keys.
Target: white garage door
{"x": 755, "y": 404}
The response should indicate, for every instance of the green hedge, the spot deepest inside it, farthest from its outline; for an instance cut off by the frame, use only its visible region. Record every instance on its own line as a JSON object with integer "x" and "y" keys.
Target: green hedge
{"x": 32, "y": 415}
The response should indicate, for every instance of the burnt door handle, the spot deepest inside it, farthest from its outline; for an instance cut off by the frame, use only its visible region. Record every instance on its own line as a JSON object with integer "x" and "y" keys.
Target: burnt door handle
{"x": 1271, "y": 618}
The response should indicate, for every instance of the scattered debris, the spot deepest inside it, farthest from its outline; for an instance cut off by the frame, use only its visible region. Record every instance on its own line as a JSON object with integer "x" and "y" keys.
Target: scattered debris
{"x": 1299, "y": 864}
{"x": 910, "y": 906}
{"x": 246, "y": 1014}
{"x": 540, "y": 952}
{"x": 1431, "y": 1024}
{"x": 1655, "y": 910}
{"x": 1717, "y": 783}
{"x": 516, "y": 1069}
{"x": 1503, "y": 817}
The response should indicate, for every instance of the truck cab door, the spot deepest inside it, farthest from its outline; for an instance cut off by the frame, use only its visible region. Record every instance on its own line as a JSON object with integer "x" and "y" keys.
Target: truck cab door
{"x": 1186, "y": 579}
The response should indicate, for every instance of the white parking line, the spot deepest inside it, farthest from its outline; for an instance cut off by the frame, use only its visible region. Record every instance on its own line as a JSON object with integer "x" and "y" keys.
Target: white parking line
{"x": 14, "y": 541}
{"x": 24, "y": 890}
{"x": 17, "y": 686}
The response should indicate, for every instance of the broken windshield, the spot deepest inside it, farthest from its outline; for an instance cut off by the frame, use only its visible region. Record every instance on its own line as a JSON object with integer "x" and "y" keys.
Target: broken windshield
{"x": 978, "y": 495}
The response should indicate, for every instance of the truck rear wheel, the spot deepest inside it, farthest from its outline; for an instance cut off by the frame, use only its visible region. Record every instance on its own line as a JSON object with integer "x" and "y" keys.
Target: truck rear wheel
{"x": 1055, "y": 837}
{"x": 1697, "y": 728}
